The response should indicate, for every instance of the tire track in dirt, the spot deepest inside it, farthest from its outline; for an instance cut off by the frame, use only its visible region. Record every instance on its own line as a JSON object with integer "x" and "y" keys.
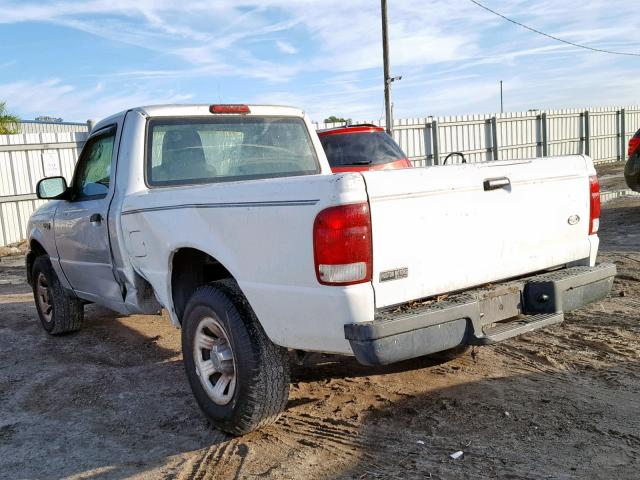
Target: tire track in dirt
{"x": 297, "y": 437}
{"x": 293, "y": 438}
{"x": 214, "y": 455}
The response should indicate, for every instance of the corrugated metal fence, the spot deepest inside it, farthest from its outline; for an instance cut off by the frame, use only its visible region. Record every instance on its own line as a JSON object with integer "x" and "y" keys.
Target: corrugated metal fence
{"x": 597, "y": 132}
{"x": 41, "y": 150}
{"x": 44, "y": 149}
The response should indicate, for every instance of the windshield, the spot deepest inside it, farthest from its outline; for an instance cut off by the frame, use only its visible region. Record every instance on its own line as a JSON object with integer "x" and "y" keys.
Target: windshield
{"x": 371, "y": 148}
{"x": 227, "y": 148}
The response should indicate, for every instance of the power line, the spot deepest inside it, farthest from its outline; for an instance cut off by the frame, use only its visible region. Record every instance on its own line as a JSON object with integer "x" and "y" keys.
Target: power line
{"x": 586, "y": 47}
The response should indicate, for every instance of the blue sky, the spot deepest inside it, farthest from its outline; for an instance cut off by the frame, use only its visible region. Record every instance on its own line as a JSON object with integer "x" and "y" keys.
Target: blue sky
{"x": 90, "y": 58}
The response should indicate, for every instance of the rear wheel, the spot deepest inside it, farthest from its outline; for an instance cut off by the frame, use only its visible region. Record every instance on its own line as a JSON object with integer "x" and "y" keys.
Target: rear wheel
{"x": 59, "y": 310}
{"x": 239, "y": 378}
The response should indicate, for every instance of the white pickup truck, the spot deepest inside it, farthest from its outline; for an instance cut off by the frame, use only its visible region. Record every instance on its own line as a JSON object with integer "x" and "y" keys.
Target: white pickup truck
{"x": 228, "y": 217}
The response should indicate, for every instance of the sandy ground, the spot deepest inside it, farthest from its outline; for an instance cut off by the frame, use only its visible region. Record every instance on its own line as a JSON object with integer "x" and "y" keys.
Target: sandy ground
{"x": 112, "y": 401}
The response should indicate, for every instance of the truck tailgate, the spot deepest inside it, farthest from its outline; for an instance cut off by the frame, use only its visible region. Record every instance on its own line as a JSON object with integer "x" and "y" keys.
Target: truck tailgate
{"x": 442, "y": 229}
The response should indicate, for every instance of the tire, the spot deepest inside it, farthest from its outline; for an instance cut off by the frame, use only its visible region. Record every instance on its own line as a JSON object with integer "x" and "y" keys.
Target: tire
{"x": 632, "y": 172}
{"x": 59, "y": 311}
{"x": 232, "y": 350}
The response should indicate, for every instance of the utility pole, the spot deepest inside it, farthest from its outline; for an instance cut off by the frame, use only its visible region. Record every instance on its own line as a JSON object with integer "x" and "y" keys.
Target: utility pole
{"x": 387, "y": 78}
{"x": 501, "y": 105}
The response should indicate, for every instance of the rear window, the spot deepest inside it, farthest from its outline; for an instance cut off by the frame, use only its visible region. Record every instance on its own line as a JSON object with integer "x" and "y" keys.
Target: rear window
{"x": 227, "y": 148}
{"x": 371, "y": 148}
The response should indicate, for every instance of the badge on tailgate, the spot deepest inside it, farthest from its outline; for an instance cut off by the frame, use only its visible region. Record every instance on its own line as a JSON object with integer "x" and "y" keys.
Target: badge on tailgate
{"x": 395, "y": 274}
{"x": 573, "y": 219}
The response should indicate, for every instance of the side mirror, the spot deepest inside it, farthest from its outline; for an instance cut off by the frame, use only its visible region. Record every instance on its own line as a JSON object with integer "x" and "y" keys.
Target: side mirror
{"x": 51, "y": 188}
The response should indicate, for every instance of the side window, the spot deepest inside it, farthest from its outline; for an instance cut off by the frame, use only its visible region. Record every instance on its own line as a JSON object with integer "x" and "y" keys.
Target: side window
{"x": 94, "y": 167}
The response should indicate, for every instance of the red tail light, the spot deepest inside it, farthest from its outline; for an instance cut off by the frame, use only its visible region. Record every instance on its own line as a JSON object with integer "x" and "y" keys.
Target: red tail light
{"x": 229, "y": 109}
{"x": 594, "y": 204}
{"x": 342, "y": 245}
{"x": 634, "y": 143}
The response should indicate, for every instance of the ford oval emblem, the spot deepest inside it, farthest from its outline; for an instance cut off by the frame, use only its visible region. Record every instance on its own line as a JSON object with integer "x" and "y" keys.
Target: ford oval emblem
{"x": 573, "y": 219}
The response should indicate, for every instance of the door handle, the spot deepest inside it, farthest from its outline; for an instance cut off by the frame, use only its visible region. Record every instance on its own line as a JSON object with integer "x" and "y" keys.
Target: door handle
{"x": 95, "y": 218}
{"x": 495, "y": 183}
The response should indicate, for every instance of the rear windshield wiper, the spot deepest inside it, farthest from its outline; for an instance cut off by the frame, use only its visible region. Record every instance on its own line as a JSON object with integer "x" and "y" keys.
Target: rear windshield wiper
{"x": 359, "y": 162}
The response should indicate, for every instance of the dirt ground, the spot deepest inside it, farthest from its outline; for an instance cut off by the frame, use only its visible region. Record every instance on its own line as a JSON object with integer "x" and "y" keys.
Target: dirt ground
{"x": 19, "y": 248}
{"x": 611, "y": 176}
{"x": 112, "y": 401}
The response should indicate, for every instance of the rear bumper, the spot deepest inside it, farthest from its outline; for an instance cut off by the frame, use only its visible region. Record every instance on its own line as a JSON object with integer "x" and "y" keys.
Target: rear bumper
{"x": 477, "y": 317}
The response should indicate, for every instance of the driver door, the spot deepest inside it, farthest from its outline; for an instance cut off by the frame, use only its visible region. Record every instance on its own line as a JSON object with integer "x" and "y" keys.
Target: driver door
{"x": 81, "y": 225}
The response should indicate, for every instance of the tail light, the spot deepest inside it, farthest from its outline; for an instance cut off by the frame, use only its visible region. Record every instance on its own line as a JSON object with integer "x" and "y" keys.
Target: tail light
{"x": 342, "y": 245}
{"x": 634, "y": 143}
{"x": 594, "y": 204}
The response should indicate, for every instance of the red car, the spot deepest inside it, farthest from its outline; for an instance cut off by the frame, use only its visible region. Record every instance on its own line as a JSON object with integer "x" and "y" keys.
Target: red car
{"x": 632, "y": 167}
{"x": 361, "y": 147}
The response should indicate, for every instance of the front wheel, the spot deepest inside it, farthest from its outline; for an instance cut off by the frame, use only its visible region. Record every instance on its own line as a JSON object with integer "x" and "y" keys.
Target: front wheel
{"x": 239, "y": 378}
{"x": 59, "y": 310}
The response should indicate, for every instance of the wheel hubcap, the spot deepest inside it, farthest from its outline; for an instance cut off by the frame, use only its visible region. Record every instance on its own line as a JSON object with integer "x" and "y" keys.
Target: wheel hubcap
{"x": 43, "y": 297}
{"x": 215, "y": 364}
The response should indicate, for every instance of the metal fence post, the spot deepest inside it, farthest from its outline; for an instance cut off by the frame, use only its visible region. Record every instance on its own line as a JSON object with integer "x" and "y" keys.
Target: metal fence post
{"x": 541, "y": 138}
{"x": 623, "y": 136}
{"x": 618, "y": 136}
{"x": 545, "y": 139}
{"x": 587, "y": 134}
{"x": 494, "y": 137}
{"x": 538, "y": 135}
{"x": 434, "y": 142}
{"x": 428, "y": 147}
{"x": 3, "y": 230}
{"x": 581, "y": 137}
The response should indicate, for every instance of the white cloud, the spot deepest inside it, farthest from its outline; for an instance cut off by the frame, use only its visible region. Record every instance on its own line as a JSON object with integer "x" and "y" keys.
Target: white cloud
{"x": 52, "y": 97}
{"x": 286, "y": 47}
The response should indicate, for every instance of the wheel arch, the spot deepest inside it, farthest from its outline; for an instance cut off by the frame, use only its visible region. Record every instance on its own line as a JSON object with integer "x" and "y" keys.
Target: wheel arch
{"x": 190, "y": 268}
{"x": 35, "y": 250}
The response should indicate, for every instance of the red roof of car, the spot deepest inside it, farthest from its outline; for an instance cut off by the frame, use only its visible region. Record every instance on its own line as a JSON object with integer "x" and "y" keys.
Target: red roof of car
{"x": 362, "y": 128}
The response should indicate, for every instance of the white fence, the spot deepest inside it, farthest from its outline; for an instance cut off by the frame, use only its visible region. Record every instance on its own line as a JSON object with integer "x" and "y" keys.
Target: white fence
{"x": 41, "y": 150}
{"x": 44, "y": 149}
{"x": 595, "y": 132}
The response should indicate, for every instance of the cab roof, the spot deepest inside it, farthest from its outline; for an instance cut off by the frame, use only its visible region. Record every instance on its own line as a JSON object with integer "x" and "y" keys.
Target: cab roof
{"x": 203, "y": 110}
{"x": 200, "y": 110}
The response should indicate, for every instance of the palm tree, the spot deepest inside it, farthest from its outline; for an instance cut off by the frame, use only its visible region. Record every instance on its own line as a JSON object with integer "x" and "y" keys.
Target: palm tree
{"x": 9, "y": 124}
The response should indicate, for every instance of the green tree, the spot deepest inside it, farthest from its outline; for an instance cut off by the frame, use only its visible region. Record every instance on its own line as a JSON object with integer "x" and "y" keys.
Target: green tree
{"x": 9, "y": 124}
{"x": 334, "y": 119}
{"x": 47, "y": 118}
